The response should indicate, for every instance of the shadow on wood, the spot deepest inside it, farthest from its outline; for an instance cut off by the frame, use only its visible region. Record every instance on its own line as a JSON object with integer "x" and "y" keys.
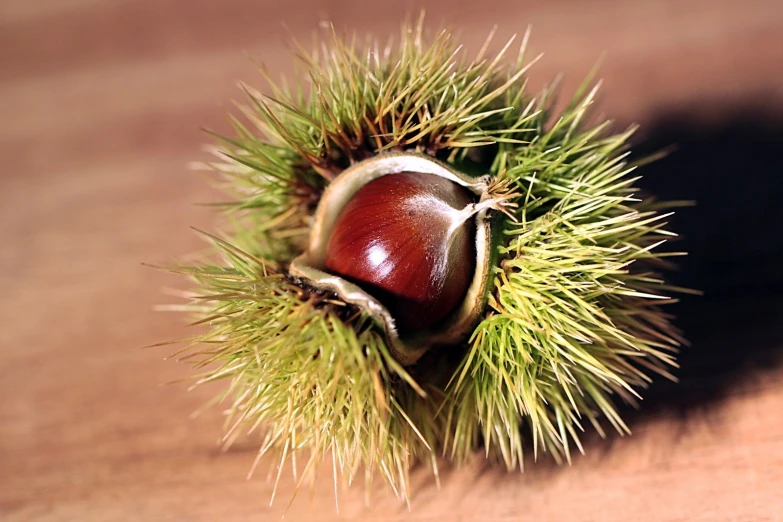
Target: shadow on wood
{"x": 733, "y": 169}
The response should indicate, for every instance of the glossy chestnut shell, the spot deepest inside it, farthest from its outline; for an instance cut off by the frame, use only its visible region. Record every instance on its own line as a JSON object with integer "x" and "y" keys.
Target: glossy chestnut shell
{"x": 397, "y": 239}
{"x": 428, "y": 292}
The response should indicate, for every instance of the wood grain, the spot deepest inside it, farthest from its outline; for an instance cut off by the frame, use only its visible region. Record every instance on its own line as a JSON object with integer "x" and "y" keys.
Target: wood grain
{"x": 100, "y": 106}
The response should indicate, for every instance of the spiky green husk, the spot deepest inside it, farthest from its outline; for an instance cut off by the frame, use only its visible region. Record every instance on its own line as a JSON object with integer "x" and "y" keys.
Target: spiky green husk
{"x": 572, "y": 320}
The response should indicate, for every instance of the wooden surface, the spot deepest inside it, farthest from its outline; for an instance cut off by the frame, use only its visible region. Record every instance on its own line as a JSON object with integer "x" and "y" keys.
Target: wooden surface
{"x": 100, "y": 104}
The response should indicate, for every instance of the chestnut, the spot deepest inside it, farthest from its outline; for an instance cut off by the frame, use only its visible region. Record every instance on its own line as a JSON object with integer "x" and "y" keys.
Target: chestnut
{"x": 406, "y": 239}
{"x": 403, "y": 238}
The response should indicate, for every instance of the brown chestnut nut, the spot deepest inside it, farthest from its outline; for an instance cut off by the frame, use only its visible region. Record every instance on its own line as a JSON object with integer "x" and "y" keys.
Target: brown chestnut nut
{"x": 407, "y": 240}
{"x": 404, "y": 239}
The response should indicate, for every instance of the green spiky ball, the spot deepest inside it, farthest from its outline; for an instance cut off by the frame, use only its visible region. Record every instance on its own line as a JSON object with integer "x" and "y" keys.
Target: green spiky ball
{"x": 573, "y": 319}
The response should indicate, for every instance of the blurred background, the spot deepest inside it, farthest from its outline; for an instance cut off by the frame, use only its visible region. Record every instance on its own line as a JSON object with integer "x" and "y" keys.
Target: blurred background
{"x": 101, "y": 102}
